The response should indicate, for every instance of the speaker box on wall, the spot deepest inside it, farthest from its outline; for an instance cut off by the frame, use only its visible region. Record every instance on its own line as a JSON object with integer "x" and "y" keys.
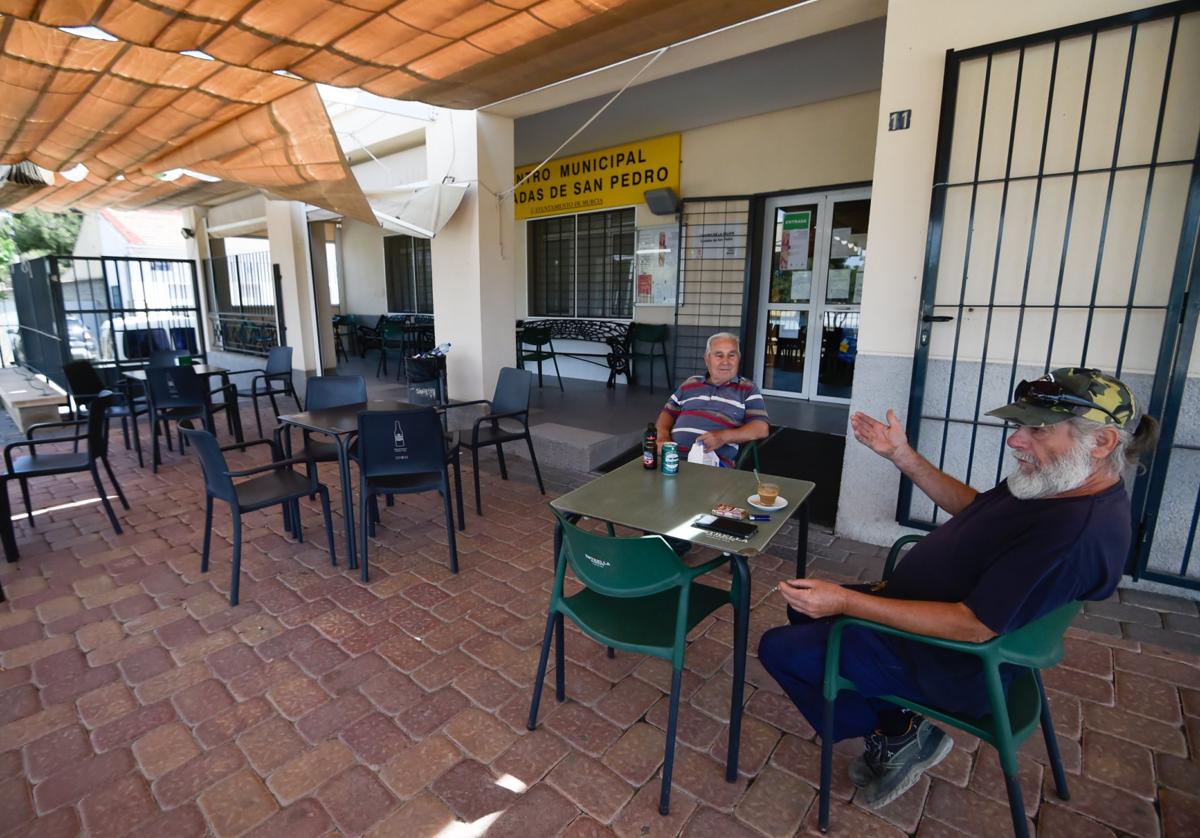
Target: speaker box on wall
{"x": 662, "y": 201}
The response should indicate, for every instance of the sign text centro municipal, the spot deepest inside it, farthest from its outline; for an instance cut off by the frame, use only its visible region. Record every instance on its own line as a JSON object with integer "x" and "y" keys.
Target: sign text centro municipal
{"x": 609, "y": 177}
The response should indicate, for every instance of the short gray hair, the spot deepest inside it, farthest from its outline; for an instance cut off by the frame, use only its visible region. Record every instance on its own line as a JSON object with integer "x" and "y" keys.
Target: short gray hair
{"x": 723, "y": 336}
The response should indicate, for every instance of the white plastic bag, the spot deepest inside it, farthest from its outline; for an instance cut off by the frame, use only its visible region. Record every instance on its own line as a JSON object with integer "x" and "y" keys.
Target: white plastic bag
{"x": 698, "y": 454}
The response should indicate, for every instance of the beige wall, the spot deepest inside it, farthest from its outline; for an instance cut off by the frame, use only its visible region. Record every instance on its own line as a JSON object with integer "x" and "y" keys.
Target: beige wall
{"x": 822, "y": 144}
{"x": 363, "y": 290}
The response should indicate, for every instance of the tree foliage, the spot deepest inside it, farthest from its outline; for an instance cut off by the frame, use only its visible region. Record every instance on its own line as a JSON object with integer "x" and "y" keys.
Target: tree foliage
{"x": 8, "y": 247}
{"x": 33, "y": 232}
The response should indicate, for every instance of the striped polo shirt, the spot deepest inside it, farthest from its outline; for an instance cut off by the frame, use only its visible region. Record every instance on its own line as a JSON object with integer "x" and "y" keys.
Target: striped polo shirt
{"x": 699, "y": 406}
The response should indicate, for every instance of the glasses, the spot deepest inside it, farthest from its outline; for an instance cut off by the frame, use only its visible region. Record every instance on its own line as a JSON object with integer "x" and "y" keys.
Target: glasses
{"x": 1043, "y": 391}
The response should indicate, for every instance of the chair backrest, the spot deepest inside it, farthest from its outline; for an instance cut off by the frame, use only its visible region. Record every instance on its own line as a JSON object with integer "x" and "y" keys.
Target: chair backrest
{"x": 279, "y": 360}
{"x": 334, "y": 391}
{"x": 162, "y": 358}
{"x": 621, "y": 567}
{"x": 1039, "y": 644}
{"x": 175, "y": 387}
{"x": 649, "y": 333}
{"x": 83, "y": 381}
{"x": 512, "y": 391}
{"x": 217, "y": 481}
{"x": 97, "y": 425}
{"x": 393, "y": 442}
{"x": 535, "y": 335}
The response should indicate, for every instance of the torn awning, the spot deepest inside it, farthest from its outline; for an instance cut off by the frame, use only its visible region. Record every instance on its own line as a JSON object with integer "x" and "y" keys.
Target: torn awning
{"x": 420, "y": 213}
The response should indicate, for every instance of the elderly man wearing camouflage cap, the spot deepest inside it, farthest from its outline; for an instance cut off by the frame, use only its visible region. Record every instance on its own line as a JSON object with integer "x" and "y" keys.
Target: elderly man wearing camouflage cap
{"x": 1055, "y": 531}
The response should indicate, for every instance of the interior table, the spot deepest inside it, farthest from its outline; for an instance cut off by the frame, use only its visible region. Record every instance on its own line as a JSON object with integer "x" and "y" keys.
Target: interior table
{"x": 648, "y": 500}
{"x": 341, "y": 423}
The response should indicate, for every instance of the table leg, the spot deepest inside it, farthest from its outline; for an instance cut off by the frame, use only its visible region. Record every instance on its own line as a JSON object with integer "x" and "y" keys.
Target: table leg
{"x": 802, "y": 540}
{"x": 347, "y": 499}
{"x": 741, "y": 630}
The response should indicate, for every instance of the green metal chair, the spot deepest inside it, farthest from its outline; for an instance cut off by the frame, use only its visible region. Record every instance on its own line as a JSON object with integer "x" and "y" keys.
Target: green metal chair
{"x": 1013, "y": 718}
{"x": 654, "y": 334}
{"x": 639, "y": 597}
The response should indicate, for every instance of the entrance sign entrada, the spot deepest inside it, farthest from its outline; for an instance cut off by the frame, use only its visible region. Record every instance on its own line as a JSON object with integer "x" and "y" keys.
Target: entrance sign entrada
{"x": 608, "y": 177}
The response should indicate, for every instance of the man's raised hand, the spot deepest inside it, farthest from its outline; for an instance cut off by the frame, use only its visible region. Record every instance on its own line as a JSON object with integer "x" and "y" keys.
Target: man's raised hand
{"x": 884, "y": 440}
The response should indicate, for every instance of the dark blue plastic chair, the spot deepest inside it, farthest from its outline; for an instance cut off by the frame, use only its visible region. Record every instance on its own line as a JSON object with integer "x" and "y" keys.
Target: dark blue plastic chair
{"x": 37, "y": 464}
{"x": 323, "y": 393}
{"x": 269, "y": 485}
{"x": 401, "y": 452}
{"x": 85, "y": 383}
{"x": 273, "y": 380}
{"x": 511, "y": 402}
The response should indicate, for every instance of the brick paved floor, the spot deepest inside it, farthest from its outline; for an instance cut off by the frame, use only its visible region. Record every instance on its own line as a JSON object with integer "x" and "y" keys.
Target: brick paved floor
{"x": 135, "y": 701}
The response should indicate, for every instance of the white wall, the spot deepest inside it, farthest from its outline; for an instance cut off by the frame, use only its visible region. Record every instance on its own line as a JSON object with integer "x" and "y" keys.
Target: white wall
{"x": 363, "y": 289}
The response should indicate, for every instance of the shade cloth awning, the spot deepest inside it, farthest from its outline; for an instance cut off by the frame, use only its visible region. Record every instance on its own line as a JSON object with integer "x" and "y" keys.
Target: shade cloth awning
{"x": 454, "y": 53}
{"x": 135, "y": 116}
{"x": 421, "y": 213}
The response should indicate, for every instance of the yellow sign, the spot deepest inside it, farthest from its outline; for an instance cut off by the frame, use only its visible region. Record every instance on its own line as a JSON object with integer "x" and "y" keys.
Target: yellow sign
{"x": 610, "y": 177}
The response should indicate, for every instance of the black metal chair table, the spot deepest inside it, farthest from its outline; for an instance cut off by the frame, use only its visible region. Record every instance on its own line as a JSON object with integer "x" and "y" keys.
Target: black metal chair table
{"x": 270, "y": 485}
{"x": 401, "y": 452}
{"x": 36, "y": 464}
{"x": 510, "y": 401}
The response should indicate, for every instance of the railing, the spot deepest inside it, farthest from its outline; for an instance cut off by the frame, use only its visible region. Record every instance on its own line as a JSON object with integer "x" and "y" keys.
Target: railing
{"x": 253, "y": 333}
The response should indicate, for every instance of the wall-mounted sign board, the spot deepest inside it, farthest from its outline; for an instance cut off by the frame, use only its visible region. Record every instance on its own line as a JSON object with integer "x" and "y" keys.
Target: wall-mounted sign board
{"x": 609, "y": 177}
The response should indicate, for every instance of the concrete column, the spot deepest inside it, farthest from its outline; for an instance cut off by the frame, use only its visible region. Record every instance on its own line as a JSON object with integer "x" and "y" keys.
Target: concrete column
{"x": 473, "y": 264}
{"x": 287, "y": 232}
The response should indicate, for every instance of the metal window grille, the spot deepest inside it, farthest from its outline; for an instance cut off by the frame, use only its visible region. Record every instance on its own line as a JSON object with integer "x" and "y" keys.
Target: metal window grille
{"x": 581, "y": 265}
{"x": 1062, "y": 228}
{"x": 713, "y": 276}
{"x": 408, "y": 263}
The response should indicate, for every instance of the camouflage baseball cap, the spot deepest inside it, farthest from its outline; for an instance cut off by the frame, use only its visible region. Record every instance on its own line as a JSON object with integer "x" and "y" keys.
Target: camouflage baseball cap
{"x": 1066, "y": 392}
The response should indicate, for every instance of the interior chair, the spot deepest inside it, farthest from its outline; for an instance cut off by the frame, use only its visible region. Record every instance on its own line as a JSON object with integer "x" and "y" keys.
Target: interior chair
{"x": 84, "y": 384}
{"x": 648, "y": 341}
{"x": 510, "y": 402}
{"x": 401, "y": 452}
{"x": 1013, "y": 717}
{"x": 38, "y": 464}
{"x": 273, "y": 484}
{"x": 368, "y": 337}
{"x": 275, "y": 379}
{"x": 391, "y": 341}
{"x": 177, "y": 394}
{"x": 638, "y": 596}
{"x": 342, "y": 326}
{"x": 540, "y": 348}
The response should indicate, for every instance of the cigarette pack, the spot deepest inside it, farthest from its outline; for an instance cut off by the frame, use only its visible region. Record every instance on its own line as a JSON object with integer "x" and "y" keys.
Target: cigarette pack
{"x": 725, "y": 510}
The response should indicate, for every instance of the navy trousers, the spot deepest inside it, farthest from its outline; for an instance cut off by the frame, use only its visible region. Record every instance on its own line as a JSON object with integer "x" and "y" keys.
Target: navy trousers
{"x": 879, "y": 664}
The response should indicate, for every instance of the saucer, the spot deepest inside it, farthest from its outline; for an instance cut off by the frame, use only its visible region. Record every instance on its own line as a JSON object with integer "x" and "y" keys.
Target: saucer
{"x": 780, "y": 503}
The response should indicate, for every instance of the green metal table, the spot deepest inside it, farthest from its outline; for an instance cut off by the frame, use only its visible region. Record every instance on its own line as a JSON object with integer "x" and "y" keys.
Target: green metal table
{"x": 635, "y": 497}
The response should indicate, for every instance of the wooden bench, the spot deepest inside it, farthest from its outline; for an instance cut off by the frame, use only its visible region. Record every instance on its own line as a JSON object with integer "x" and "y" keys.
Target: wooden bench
{"x": 30, "y": 398}
{"x": 611, "y": 337}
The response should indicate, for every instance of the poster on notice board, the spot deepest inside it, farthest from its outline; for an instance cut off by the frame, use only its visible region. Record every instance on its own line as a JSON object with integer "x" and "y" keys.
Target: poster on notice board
{"x": 656, "y": 264}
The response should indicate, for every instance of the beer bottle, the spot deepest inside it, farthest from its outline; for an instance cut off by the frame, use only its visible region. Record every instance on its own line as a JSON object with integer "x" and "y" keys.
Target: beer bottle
{"x": 650, "y": 447}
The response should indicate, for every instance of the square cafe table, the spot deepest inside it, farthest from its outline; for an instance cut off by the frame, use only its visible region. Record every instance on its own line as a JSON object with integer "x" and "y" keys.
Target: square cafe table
{"x": 641, "y": 499}
{"x": 341, "y": 423}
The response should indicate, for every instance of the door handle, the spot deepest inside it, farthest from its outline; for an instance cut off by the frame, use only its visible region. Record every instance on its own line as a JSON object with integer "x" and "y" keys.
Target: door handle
{"x": 936, "y": 318}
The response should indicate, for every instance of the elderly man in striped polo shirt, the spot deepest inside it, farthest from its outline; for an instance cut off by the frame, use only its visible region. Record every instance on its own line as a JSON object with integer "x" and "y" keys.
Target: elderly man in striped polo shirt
{"x": 720, "y": 410}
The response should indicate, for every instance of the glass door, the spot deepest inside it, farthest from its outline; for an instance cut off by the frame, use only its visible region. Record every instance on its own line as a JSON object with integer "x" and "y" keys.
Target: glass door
{"x": 814, "y": 255}
{"x": 790, "y": 253}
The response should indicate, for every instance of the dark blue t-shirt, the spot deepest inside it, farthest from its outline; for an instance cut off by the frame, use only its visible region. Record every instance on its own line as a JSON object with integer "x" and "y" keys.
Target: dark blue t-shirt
{"x": 1012, "y": 561}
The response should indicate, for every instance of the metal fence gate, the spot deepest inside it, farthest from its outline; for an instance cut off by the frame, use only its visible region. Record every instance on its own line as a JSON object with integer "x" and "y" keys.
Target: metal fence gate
{"x": 113, "y": 311}
{"x": 244, "y": 294}
{"x": 714, "y": 267}
{"x": 1062, "y": 232}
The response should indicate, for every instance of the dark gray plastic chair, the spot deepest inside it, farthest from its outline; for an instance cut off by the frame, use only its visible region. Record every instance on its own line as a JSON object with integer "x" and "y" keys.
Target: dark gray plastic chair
{"x": 270, "y": 485}
{"x": 37, "y": 464}
{"x": 273, "y": 380}
{"x": 177, "y": 394}
{"x": 323, "y": 393}
{"x": 401, "y": 452}
{"x": 85, "y": 383}
{"x": 510, "y": 401}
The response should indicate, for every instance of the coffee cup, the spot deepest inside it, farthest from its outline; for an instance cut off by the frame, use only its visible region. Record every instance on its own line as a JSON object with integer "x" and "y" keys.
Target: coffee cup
{"x": 768, "y": 493}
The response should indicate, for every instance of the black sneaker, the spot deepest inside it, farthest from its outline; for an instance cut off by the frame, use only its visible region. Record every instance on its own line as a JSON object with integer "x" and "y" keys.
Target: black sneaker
{"x": 862, "y": 770}
{"x": 899, "y": 761}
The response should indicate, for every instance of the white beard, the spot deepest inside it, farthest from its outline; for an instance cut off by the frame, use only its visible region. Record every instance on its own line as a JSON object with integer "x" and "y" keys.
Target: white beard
{"x": 1061, "y": 475}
